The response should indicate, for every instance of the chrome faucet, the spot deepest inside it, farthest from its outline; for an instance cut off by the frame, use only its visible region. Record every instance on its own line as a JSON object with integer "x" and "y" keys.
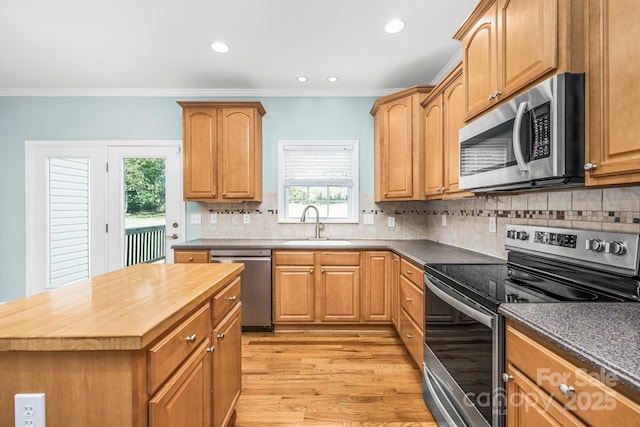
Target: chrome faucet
{"x": 304, "y": 215}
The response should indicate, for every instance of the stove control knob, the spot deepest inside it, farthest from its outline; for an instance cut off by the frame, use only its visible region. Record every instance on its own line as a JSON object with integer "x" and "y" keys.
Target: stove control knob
{"x": 522, "y": 235}
{"x": 595, "y": 245}
{"x": 511, "y": 234}
{"x": 616, "y": 248}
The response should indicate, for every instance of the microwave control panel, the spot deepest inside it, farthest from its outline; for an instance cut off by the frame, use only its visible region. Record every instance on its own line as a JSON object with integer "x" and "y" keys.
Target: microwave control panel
{"x": 541, "y": 129}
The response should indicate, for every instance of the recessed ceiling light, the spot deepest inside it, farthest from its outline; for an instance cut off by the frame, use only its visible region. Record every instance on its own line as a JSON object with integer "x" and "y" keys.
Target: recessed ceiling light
{"x": 302, "y": 79}
{"x": 220, "y": 47}
{"x": 394, "y": 26}
{"x": 332, "y": 79}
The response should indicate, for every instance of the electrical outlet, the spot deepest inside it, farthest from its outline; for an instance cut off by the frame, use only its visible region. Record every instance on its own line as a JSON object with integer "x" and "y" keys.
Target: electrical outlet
{"x": 213, "y": 218}
{"x": 391, "y": 221}
{"x": 492, "y": 224}
{"x": 444, "y": 220}
{"x": 368, "y": 218}
{"x": 246, "y": 218}
{"x": 196, "y": 219}
{"x": 30, "y": 410}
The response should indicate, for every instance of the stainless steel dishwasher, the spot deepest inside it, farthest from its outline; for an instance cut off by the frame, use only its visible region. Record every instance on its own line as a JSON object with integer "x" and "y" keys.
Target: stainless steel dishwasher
{"x": 255, "y": 285}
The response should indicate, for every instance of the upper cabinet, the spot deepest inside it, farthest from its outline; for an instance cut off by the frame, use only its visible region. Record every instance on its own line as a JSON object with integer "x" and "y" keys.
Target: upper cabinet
{"x": 613, "y": 94}
{"x": 443, "y": 117}
{"x": 397, "y": 145}
{"x": 508, "y": 45}
{"x": 222, "y": 151}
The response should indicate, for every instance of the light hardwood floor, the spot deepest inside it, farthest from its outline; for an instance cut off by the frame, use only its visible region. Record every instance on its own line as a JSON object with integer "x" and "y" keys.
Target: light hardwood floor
{"x": 331, "y": 379}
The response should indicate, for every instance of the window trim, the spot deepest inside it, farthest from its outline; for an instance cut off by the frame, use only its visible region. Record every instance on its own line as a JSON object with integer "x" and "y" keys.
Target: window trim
{"x": 354, "y": 216}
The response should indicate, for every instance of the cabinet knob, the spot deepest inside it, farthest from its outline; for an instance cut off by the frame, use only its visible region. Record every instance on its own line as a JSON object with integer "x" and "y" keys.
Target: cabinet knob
{"x": 409, "y": 272}
{"x": 409, "y": 299}
{"x": 410, "y": 336}
{"x": 221, "y": 336}
{"x": 215, "y": 194}
{"x": 322, "y": 270}
{"x": 210, "y": 349}
{"x": 191, "y": 338}
{"x": 385, "y": 194}
{"x": 567, "y": 390}
{"x": 396, "y": 260}
{"x": 190, "y": 259}
{"x": 506, "y": 377}
{"x": 589, "y": 166}
{"x": 233, "y": 298}
{"x": 311, "y": 271}
{"x": 224, "y": 194}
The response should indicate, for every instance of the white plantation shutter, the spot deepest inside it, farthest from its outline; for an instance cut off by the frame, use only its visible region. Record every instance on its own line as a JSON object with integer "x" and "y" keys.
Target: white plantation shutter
{"x": 313, "y": 165}
{"x": 68, "y": 220}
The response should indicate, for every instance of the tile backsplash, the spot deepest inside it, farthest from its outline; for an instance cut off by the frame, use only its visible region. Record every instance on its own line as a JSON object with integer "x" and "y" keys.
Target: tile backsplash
{"x": 467, "y": 220}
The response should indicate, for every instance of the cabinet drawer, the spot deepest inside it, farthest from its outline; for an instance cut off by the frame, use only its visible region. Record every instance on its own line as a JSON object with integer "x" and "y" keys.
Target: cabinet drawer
{"x": 293, "y": 258}
{"x": 165, "y": 356}
{"x": 412, "y": 337}
{"x": 412, "y": 300}
{"x": 225, "y": 300}
{"x": 190, "y": 256}
{"x": 592, "y": 401}
{"x": 339, "y": 258}
{"x": 412, "y": 273}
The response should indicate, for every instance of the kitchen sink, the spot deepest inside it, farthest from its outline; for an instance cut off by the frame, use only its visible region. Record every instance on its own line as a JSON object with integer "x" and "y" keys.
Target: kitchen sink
{"x": 314, "y": 242}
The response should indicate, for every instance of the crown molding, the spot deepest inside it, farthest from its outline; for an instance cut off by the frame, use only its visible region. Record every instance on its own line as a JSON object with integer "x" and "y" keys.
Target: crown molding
{"x": 133, "y": 92}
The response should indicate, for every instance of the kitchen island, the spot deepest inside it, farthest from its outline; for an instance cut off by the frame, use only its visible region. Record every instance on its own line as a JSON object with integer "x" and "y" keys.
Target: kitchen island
{"x": 119, "y": 348}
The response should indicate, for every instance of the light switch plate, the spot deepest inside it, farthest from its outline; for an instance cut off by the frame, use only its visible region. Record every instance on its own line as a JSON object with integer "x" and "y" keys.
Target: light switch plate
{"x": 391, "y": 221}
{"x": 368, "y": 218}
{"x": 492, "y": 224}
{"x": 246, "y": 218}
{"x": 444, "y": 220}
{"x": 196, "y": 219}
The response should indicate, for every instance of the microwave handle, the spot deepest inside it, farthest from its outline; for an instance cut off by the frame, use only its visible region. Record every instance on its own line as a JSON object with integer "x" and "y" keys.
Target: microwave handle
{"x": 517, "y": 147}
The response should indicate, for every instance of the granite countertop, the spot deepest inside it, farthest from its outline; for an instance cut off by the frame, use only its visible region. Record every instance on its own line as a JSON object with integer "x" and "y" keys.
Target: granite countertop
{"x": 605, "y": 336}
{"x": 420, "y": 252}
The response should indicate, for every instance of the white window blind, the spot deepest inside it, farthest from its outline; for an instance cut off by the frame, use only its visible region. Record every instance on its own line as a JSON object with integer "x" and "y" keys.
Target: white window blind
{"x": 313, "y": 165}
{"x": 68, "y": 220}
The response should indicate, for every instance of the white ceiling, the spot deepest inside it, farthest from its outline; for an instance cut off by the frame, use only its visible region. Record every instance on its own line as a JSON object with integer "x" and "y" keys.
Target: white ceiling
{"x": 163, "y": 46}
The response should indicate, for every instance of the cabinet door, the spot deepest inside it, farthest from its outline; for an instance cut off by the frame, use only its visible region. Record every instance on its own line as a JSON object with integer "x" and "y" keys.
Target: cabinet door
{"x": 377, "y": 287}
{"x": 480, "y": 62}
{"x": 433, "y": 148}
{"x": 293, "y": 294}
{"x": 200, "y": 153}
{"x": 238, "y": 141}
{"x": 613, "y": 92}
{"x": 527, "y": 42}
{"x": 397, "y": 150}
{"x": 453, "y": 121}
{"x": 339, "y": 294}
{"x": 185, "y": 400}
{"x": 227, "y": 342}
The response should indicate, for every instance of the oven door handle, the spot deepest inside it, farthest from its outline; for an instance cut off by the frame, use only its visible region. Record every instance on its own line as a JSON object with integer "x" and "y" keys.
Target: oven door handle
{"x": 517, "y": 147}
{"x": 481, "y": 317}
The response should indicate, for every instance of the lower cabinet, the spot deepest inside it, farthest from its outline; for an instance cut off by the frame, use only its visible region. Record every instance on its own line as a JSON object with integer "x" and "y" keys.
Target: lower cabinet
{"x": 545, "y": 387}
{"x": 191, "y": 256}
{"x": 227, "y": 384}
{"x": 411, "y": 322}
{"x": 377, "y": 286}
{"x": 339, "y": 291}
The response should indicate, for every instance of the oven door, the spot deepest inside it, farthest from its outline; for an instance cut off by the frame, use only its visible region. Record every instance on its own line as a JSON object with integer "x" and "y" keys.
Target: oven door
{"x": 463, "y": 357}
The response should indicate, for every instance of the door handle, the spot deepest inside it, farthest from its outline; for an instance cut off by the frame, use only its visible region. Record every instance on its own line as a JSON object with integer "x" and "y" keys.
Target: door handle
{"x": 174, "y": 236}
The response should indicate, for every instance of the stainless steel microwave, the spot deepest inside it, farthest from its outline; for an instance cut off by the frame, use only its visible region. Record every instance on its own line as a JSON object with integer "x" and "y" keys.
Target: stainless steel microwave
{"x": 535, "y": 140}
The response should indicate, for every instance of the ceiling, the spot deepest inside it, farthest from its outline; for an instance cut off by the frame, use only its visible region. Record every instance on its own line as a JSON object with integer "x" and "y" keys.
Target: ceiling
{"x": 163, "y": 46}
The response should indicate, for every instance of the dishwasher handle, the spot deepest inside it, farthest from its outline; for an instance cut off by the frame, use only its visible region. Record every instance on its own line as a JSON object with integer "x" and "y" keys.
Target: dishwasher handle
{"x": 228, "y": 260}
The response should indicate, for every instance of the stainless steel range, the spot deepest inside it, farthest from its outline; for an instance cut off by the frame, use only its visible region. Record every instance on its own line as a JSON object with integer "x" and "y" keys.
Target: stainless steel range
{"x": 464, "y": 334}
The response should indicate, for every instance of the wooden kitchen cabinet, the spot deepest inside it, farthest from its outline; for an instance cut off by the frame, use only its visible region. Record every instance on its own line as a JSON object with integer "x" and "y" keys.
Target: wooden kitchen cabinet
{"x": 397, "y": 145}
{"x": 508, "y": 45}
{"x": 227, "y": 375}
{"x": 538, "y": 375}
{"x": 395, "y": 290}
{"x": 338, "y": 293}
{"x": 377, "y": 286}
{"x": 222, "y": 151}
{"x": 411, "y": 321}
{"x": 443, "y": 118}
{"x": 293, "y": 286}
{"x": 191, "y": 256}
{"x": 613, "y": 95}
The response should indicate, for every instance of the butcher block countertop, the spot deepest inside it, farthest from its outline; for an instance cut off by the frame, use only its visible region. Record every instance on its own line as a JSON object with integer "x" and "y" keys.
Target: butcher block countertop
{"x": 123, "y": 310}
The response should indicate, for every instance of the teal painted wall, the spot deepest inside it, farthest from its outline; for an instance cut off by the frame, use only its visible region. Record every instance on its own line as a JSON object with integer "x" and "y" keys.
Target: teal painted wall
{"x": 150, "y": 118}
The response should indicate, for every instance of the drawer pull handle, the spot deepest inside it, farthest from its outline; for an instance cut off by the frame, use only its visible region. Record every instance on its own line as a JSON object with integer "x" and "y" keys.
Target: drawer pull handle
{"x": 233, "y": 298}
{"x": 409, "y": 272}
{"x": 211, "y": 349}
{"x": 506, "y": 377}
{"x": 567, "y": 390}
{"x": 409, "y": 299}
{"x": 410, "y": 336}
{"x": 221, "y": 336}
{"x": 190, "y": 259}
{"x": 191, "y": 338}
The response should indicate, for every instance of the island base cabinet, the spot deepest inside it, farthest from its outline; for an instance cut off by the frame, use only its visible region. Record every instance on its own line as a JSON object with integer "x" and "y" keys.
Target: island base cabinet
{"x": 111, "y": 379}
{"x": 185, "y": 400}
{"x": 227, "y": 382}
